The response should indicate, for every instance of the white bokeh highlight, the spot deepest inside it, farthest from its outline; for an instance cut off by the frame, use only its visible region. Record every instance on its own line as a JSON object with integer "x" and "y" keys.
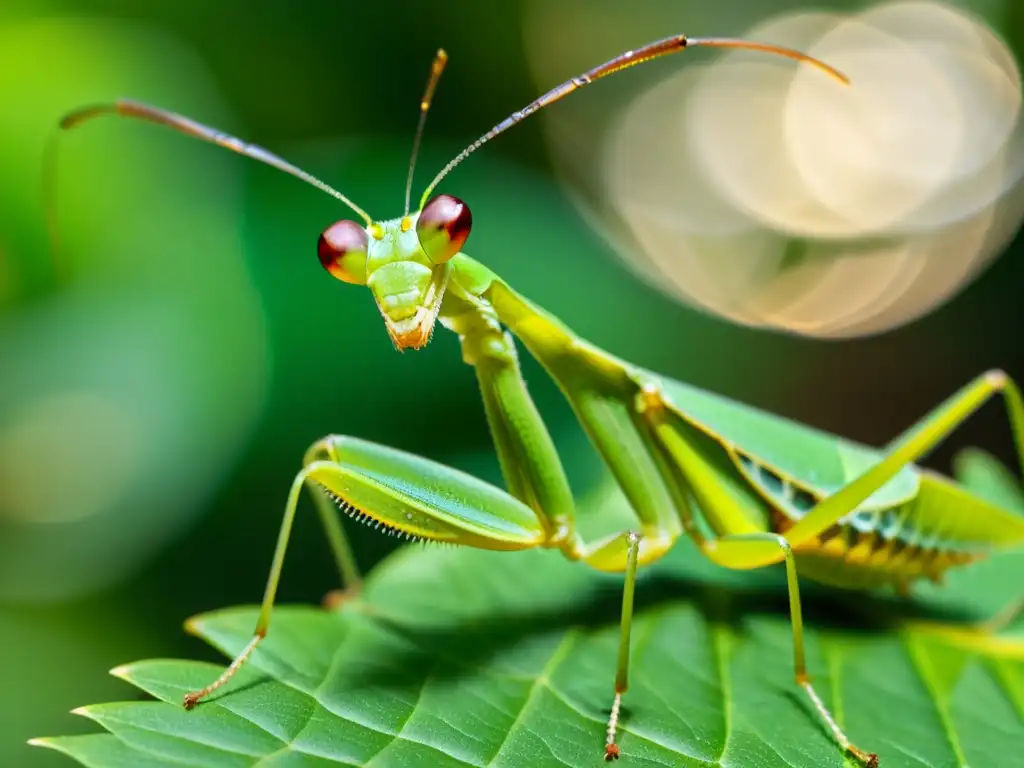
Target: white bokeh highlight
{"x": 772, "y": 195}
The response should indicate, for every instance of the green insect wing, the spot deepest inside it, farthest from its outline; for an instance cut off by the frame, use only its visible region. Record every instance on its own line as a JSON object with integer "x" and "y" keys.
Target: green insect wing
{"x": 813, "y": 459}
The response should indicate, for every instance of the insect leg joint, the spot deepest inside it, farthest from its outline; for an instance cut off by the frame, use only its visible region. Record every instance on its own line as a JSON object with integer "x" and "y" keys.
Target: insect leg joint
{"x": 650, "y": 402}
{"x": 997, "y": 378}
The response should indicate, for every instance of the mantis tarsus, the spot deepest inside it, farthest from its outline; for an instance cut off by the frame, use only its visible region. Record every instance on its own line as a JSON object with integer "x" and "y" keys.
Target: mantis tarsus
{"x": 749, "y": 488}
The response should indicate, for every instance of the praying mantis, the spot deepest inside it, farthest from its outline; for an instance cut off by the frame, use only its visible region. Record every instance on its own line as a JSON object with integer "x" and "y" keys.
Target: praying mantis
{"x": 749, "y": 488}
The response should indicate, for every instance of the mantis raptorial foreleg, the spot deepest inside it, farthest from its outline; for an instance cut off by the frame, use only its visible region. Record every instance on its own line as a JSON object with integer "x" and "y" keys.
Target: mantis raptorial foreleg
{"x": 529, "y": 461}
{"x": 530, "y": 464}
{"x": 401, "y": 494}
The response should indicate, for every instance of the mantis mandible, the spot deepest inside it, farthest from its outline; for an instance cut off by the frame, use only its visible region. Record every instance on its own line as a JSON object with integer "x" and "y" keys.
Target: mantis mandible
{"x": 751, "y": 489}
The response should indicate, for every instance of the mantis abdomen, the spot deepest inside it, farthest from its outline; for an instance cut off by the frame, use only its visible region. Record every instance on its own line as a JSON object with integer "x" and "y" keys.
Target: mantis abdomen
{"x": 941, "y": 526}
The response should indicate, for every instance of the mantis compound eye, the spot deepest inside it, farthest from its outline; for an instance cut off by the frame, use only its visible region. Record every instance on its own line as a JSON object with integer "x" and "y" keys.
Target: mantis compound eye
{"x": 443, "y": 227}
{"x": 342, "y": 250}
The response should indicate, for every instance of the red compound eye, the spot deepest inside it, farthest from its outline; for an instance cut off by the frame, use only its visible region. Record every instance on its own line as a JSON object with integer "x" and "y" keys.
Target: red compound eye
{"x": 443, "y": 227}
{"x": 342, "y": 249}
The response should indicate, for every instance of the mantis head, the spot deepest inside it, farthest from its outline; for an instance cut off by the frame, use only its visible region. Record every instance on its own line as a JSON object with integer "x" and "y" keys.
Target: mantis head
{"x": 404, "y": 262}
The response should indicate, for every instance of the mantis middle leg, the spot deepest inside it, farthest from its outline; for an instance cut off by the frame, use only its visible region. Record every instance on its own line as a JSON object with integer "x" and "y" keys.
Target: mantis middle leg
{"x": 316, "y": 457}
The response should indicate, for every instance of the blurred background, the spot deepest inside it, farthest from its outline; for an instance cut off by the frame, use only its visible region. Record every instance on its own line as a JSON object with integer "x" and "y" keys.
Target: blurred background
{"x": 845, "y": 257}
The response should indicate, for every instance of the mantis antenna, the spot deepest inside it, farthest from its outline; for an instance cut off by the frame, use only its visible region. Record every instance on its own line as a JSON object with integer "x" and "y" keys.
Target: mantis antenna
{"x": 129, "y": 108}
{"x": 428, "y": 96}
{"x": 628, "y": 59}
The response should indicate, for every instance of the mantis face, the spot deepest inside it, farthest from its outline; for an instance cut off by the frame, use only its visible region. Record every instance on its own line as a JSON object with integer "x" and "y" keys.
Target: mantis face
{"x": 404, "y": 262}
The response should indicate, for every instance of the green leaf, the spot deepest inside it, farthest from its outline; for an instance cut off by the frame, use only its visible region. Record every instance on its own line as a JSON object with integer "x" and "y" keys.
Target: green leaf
{"x": 455, "y": 657}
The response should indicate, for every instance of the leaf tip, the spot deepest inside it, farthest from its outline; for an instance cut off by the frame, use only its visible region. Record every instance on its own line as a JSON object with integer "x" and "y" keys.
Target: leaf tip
{"x": 81, "y": 712}
{"x": 39, "y": 741}
{"x": 121, "y": 671}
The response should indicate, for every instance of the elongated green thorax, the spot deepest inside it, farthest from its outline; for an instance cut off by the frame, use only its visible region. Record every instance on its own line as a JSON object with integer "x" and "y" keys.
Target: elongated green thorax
{"x": 407, "y": 287}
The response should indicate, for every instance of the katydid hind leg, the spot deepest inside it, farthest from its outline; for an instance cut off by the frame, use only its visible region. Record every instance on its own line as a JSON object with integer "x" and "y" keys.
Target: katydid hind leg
{"x": 991, "y": 382}
{"x": 916, "y": 442}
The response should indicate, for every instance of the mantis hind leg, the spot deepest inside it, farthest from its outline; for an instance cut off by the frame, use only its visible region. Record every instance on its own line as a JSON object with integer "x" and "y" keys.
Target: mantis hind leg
{"x": 339, "y": 547}
{"x": 984, "y": 475}
{"x": 909, "y": 447}
{"x": 721, "y": 550}
{"x": 1003, "y": 618}
{"x": 747, "y": 549}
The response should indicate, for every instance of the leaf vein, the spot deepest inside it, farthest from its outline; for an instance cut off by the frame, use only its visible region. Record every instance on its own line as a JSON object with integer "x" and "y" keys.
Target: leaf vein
{"x": 922, "y": 665}
{"x": 557, "y": 657}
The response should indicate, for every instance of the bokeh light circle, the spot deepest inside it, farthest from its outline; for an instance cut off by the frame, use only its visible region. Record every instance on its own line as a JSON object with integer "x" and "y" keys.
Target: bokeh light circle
{"x": 769, "y": 194}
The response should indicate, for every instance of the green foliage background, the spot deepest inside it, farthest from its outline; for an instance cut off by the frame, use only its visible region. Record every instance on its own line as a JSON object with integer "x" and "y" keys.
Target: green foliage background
{"x": 172, "y": 378}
